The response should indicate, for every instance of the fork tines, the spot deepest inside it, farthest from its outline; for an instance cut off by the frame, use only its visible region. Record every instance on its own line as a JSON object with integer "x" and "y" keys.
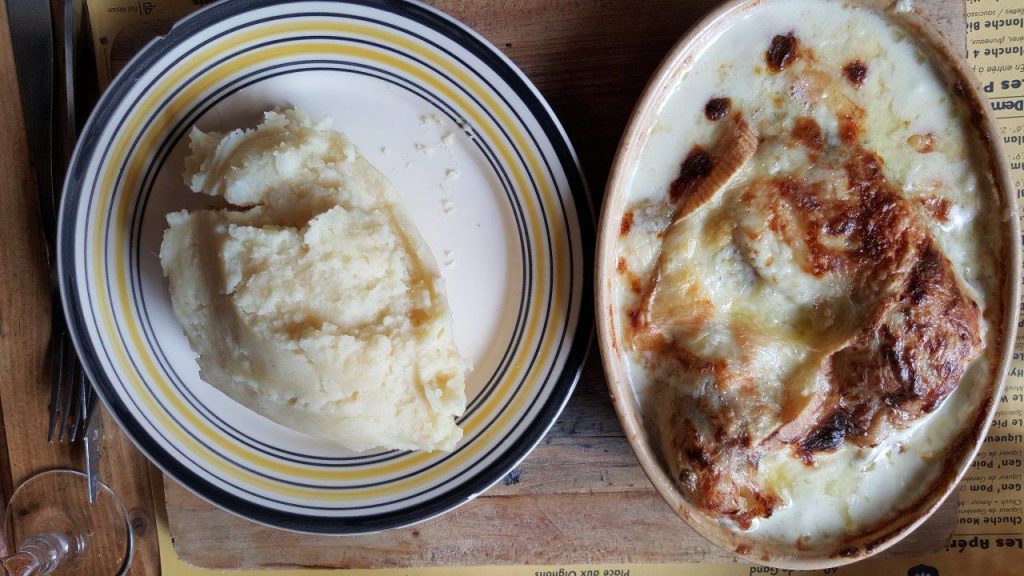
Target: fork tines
{"x": 71, "y": 397}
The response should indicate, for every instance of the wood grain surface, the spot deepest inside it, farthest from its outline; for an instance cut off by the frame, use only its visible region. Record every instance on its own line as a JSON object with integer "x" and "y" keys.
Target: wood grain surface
{"x": 24, "y": 333}
{"x": 579, "y": 497}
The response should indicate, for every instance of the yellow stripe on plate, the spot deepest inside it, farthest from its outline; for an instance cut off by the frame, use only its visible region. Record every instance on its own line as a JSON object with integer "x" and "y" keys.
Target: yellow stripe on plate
{"x": 176, "y": 108}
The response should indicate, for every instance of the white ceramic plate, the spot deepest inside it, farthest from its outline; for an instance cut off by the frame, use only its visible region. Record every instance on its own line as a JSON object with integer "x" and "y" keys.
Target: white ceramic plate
{"x": 482, "y": 166}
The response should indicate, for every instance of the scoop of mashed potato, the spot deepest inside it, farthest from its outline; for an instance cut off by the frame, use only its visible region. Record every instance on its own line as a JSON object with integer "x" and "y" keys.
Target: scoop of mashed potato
{"x": 312, "y": 299}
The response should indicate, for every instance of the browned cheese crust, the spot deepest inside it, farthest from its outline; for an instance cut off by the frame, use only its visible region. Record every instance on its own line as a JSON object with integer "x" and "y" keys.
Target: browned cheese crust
{"x": 895, "y": 361}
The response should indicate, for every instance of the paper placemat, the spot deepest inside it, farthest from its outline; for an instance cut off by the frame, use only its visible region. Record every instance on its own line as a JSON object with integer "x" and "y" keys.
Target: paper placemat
{"x": 989, "y": 538}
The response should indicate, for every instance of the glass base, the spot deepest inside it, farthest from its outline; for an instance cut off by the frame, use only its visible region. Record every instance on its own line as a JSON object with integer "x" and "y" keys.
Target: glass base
{"x": 57, "y": 502}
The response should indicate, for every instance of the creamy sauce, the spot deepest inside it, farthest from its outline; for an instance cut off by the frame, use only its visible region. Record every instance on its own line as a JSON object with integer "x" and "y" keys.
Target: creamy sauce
{"x": 906, "y": 104}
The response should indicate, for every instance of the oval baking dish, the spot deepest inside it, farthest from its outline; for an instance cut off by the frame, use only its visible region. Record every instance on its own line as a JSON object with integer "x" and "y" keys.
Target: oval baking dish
{"x": 807, "y": 277}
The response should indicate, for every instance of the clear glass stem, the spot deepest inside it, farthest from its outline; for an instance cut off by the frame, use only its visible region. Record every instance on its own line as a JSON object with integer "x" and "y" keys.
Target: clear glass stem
{"x": 41, "y": 554}
{"x": 57, "y": 532}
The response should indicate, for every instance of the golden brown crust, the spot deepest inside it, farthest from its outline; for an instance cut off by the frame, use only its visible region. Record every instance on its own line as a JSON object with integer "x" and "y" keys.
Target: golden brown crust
{"x": 937, "y": 207}
{"x": 721, "y": 475}
{"x": 898, "y": 359}
{"x": 807, "y": 132}
{"x": 906, "y": 363}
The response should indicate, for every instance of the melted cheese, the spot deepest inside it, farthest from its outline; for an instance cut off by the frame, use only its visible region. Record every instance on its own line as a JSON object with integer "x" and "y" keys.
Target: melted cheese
{"x": 760, "y": 309}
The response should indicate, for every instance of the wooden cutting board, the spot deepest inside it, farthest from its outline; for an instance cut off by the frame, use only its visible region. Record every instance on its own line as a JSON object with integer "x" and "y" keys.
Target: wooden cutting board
{"x": 580, "y": 496}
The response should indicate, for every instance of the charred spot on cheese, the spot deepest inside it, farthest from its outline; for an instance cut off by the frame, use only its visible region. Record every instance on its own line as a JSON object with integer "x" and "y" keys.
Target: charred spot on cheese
{"x": 694, "y": 168}
{"x": 801, "y": 543}
{"x": 717, "y": 108}
{"x": 829, "y": 231}
{"x": 855, "y": 72}
{"x": 806, "y": 131}
{"x": 781, "y": 52}
{"x": 828, "y": 435}
{"x": 936, "y": 206}
{"x": 923, "y": 143}
{"x": 802, "y": 197}
{"x": 627, "y": 223}
{"x": 883, "y": 219}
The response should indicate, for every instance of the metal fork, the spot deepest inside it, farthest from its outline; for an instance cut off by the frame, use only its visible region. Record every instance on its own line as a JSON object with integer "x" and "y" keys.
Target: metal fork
{"x": 72, "y": 400}
{"x": 72, "y": 394}
{"x": 71, "y": 397}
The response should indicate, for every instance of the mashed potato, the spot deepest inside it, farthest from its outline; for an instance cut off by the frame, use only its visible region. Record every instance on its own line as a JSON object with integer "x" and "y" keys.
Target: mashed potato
{"x": 312, "y": 299}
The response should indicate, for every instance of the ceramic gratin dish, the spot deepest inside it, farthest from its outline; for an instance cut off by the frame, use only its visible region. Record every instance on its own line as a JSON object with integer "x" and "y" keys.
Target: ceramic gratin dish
{"x": 672, "y": 118}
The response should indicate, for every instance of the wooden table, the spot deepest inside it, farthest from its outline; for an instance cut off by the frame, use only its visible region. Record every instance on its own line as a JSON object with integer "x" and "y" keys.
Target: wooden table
{"x": 581, "y": 486}
{"x": 24, "y": 333}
